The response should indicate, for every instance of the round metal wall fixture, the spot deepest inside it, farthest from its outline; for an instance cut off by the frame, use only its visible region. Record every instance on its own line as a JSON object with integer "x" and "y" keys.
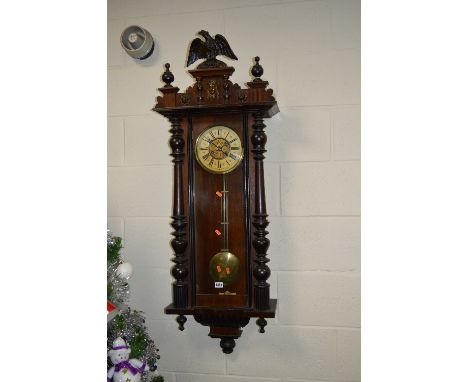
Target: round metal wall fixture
{"x": 137, "y": 42}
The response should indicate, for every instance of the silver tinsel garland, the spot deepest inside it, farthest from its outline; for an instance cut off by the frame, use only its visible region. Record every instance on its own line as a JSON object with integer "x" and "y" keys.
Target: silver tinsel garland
{"x": 128, "y": 324}
{"x": 120, "y": 292}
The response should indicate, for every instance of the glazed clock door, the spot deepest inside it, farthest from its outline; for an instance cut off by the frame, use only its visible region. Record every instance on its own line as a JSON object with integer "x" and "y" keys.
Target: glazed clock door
{"x": 219, "y": 210}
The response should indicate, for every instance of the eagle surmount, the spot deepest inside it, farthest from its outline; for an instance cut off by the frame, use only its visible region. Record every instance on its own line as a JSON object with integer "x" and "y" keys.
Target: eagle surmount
{"x": 209, "y": 49}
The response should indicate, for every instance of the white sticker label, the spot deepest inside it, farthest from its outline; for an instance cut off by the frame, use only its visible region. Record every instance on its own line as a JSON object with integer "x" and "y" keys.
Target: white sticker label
{"x": 219, "y": 284}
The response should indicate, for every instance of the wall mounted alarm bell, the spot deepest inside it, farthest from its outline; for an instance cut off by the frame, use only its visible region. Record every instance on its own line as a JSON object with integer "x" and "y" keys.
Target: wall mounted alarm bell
{"x": 137, "y": 42}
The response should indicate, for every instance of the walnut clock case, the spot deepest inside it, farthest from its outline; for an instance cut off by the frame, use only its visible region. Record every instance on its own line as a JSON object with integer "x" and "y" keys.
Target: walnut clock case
{"x": 219, "y": 210}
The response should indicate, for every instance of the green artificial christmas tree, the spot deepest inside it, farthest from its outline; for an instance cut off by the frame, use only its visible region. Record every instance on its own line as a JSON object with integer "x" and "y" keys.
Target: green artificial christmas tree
{"x": 122, "y": 321}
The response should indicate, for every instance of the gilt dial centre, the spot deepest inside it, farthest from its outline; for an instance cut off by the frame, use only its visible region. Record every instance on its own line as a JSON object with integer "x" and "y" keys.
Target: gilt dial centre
{"x": 219, "y": 148}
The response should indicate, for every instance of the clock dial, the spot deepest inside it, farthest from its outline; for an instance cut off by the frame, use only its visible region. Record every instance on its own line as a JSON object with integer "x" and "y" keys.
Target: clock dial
{"x": 218, "y": 150}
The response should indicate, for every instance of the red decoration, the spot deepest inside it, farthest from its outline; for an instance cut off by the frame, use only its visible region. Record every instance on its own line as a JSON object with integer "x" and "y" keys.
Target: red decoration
{"x": 112, "y": 311}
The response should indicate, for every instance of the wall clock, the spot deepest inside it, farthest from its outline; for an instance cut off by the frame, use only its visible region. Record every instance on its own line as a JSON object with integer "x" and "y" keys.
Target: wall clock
{"x": 219, "y": 209}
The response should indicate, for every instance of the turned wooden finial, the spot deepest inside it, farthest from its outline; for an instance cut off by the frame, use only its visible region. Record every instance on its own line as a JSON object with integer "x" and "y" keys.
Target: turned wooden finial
{"x": 167, "y": 76}
{"x": 257, "y": 69}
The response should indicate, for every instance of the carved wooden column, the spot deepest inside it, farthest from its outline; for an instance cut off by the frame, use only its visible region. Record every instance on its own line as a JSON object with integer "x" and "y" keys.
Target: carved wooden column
{"x": 260, "y": 242}
{"x": 179, "y": 220}
{"x": 260, "y": 222}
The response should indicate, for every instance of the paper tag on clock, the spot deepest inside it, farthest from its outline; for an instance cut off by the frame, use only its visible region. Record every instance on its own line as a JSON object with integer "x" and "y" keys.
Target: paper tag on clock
{"x": 219, "y": 284}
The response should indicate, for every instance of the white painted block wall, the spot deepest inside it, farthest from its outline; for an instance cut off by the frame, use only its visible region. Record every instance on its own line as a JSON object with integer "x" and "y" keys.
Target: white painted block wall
{"x": 310, "y": 51}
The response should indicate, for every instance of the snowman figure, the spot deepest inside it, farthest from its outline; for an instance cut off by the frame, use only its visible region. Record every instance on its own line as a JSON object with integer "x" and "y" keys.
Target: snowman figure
{"x": 124, "y": 370}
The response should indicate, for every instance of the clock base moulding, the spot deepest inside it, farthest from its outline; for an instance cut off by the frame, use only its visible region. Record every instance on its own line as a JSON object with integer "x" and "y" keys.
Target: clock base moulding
{"x": 224, "y": 323}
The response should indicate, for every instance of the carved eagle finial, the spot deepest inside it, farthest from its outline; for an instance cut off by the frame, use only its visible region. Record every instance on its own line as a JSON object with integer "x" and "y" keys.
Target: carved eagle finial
{"x": 209, "y": 49}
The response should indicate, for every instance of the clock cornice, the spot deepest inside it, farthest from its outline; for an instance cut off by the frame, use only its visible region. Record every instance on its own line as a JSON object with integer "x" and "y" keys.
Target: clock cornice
{"x": 213, "y": 89}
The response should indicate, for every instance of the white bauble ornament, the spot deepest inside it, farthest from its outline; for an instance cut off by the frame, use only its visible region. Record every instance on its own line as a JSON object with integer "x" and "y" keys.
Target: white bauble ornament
{"x": 125, "y": 270}
{"x": 124, "y": 369}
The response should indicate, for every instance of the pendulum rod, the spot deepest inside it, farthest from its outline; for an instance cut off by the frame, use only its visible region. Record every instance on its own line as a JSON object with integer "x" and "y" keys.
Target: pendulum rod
{"x": 224, "y": 215}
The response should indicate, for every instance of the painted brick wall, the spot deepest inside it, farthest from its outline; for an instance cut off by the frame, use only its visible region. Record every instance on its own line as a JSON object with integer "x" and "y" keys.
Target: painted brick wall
{"x": 310, "y": 51}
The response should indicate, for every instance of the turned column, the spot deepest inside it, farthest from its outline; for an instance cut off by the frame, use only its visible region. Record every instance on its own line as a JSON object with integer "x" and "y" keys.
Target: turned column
{"x": 179, "y": 221}
{"x": 260, "y": 242}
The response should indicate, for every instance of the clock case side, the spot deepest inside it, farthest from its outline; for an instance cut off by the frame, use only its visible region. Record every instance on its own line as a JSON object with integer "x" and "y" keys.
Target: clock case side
{"x": 213, "y": 93}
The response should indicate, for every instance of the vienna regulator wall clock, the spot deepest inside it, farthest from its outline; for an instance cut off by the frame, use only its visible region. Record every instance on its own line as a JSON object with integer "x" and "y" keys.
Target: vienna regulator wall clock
{"x": 219, "y": 210}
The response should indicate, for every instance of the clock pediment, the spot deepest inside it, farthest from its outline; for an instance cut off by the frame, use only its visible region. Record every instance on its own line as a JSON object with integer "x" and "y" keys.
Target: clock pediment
{"x": 212, "y": 87}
